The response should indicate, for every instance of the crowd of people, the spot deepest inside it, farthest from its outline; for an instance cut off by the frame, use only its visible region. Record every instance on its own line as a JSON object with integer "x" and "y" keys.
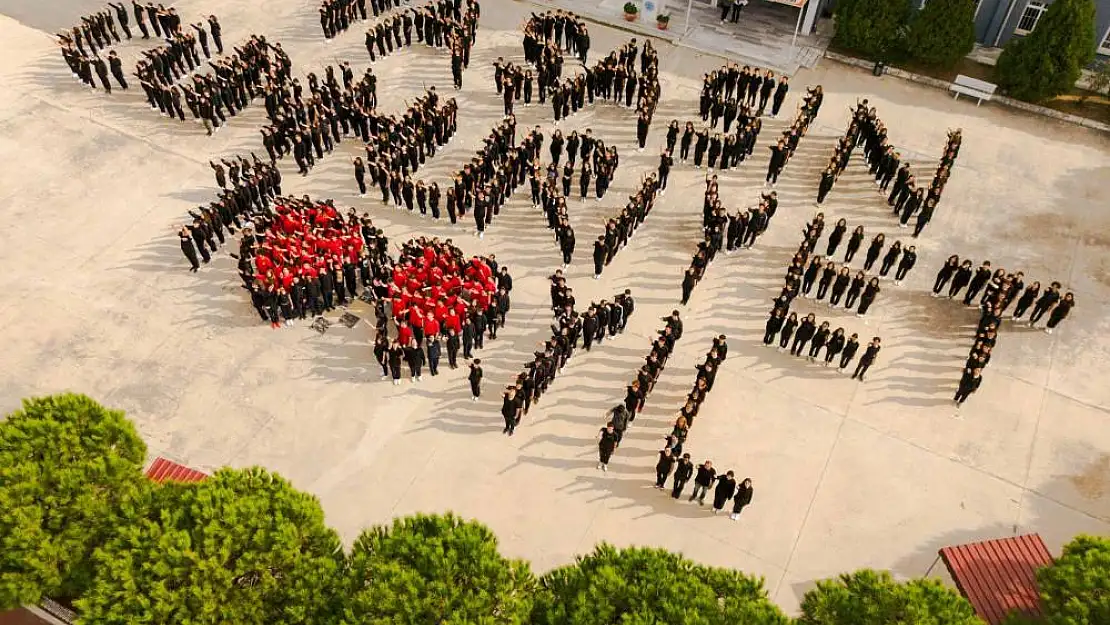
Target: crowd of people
{"x": 906, "y": 198}
{"x": 437, "y": 295}
{"x": 614, "y": 78}
{"x": 673, "y": 460}
{"x": 438, "y": 23}
{"x": 337, "y": 16}
{"x": 784, "y": 149}
{"x": 399, "y": 147}
{"x": 604, "y": 318}
{"x": 621, "y": 416}
{"x": 546, "y": 193}
{"x": 501, "y": 166}
{"x": 996, "y": 290}
{"x": 619, "y": 229}
{"x": 724, "y": 152}
{"x": 784, "y": 325}
{"x": 731, "y": 93}
{"x": 720, "y": 229}
{"x": 251, "y": 71}
{"x": 306, "y": 125}
{"x": 546, "y": 37}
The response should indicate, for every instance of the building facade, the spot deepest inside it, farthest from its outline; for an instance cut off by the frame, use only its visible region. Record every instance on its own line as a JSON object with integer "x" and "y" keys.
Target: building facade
{"x": 998, "y": 21}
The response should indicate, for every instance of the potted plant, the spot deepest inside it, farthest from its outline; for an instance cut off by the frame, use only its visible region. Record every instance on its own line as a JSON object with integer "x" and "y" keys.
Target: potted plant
{"x": 662, "y": 20}
{"x": 631, "y": 11}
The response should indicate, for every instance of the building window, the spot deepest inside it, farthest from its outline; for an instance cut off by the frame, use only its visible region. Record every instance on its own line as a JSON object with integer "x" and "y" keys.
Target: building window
{"x": 1104, "y": 45}
{"x": 1029, "y": 17}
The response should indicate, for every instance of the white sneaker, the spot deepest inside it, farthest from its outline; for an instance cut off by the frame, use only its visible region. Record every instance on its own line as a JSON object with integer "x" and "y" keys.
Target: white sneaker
{"x": 1048, "y": 330}
{"x": 605, "y": 468}
{"x": 385, "y": 377}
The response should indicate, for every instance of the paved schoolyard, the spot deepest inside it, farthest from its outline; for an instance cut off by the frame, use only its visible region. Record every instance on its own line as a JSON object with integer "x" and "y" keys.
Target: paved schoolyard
{"x": 97, "y": 299}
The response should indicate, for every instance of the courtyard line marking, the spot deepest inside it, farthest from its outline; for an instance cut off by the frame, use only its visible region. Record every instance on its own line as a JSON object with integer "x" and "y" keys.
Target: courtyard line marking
{"x": 118, "y": 130}
{"x": 813, "y": 499}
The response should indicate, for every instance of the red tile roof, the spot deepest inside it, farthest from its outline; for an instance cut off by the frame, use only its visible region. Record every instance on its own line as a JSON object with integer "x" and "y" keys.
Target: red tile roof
{"x": 999, "y": 576}
{"x": 162, "y": 470}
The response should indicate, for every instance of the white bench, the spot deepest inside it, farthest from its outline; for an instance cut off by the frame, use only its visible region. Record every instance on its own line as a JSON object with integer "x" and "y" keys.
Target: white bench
{"x": 973, "y": 87}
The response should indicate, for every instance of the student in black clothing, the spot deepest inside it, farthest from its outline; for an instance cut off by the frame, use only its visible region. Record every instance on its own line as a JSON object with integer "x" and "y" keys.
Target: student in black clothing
{"x": 774, "y": 324}
{"x": 969, "y": 383}
{"x": 475, "y": 378}
{"x": 510, "y": 410}
{"x": 982, "y": 276}
{"x": 867, "y": 359}
{"x": 682, "y": 474}
{"x": 788, "y": 330}
{"x": 945, "y": 274}
{"x": 849, "y": 352}
{"x": 1046, "y": 301}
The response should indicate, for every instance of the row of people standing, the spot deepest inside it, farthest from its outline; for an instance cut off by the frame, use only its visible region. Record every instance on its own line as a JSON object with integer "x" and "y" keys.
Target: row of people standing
{"x": 621, "y": 416}
{"x": 437, "y": 23}
{"x": 783, "y": 325}
{"x": 897, "y": 257}
{"x": 619, "y": 229}
{"x": 784, "y": 149}
{"x": 703, "y": 384}
{"x": 235, "y": 81}
{"x": 546, "y": 193}
{"x": 731, "y": 92}
{"x": 998, "y": 289}
{"x": 723, "y": 152}
{"x": 601, "y": 319}
{"x": 337, "y": 16}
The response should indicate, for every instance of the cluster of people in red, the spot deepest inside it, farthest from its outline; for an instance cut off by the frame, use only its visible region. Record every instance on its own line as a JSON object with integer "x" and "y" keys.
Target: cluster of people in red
{"x": 433, "y": 291}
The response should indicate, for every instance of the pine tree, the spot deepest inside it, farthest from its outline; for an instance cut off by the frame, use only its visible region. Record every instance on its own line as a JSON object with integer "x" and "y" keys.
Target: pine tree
{"x": 68, "y": 466}
{"x": 943, "y": 32}
{"x": 241, "y": 547}
{"x": 869, "y": 597}
{"x": 1075, "y": 590}
{"x": 642, "y": 585}
{"x": 871, "y": 27}
{"x": 435, "y": 569}
{"x": 1047, "y": 62}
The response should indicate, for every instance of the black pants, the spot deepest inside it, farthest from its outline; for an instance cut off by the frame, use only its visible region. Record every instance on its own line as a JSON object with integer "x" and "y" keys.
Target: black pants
{"x": 661, "y": 477}
{"x": 861, "y": 368}
{"x": 475, "y": 388}
{"x": 676, "y": 492}
{"x": 901, "y": 272}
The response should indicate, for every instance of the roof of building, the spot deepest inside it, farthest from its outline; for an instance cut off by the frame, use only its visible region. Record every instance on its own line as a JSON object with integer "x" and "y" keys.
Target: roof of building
{"x": 999, "y": 576}
{"x": 163, "y": 470}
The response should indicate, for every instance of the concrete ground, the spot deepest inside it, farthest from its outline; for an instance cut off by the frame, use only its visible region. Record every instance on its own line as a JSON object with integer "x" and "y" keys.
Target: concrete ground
{"x": 880, "y": 474}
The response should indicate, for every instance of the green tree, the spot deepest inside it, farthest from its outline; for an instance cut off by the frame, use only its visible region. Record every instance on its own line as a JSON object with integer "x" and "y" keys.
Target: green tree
{"x": 241, "y": 547}
{"x": 435, "y": 569}
{"x": 1075, "y": 590}
{"x": 1047, "y": 62}
{"x": 869, "y": 597}
{"x": 643, "y": 586}
{"x": 67, "y": 467}
{"x": 943, "y": 32}
{"x": 871, "y": 27}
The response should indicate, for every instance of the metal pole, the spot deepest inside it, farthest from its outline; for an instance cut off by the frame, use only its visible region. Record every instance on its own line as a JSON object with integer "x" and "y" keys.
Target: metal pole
{"x": 689, "y": 5}
{"x": 797, "y": 26}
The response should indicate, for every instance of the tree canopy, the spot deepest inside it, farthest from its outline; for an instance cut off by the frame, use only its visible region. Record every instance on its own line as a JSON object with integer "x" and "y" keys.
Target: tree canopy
{"x": 241, "y": 547}
{"x": 943, "y": 32}
{"x": 1075, "y": 590}
{"x": 869, "y": 597}
{"x": 638, "y": 585}
{"x": 1048, "y": 61}
{"x": 871, "y": 27}
{"x": 67, "y": 467}
{"x": 435, "y": 569}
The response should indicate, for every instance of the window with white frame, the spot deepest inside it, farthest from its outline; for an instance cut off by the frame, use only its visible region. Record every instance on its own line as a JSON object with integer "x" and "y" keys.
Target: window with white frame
{"x": 1030, "y": 16}
{"x": 1104, "y": 45}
